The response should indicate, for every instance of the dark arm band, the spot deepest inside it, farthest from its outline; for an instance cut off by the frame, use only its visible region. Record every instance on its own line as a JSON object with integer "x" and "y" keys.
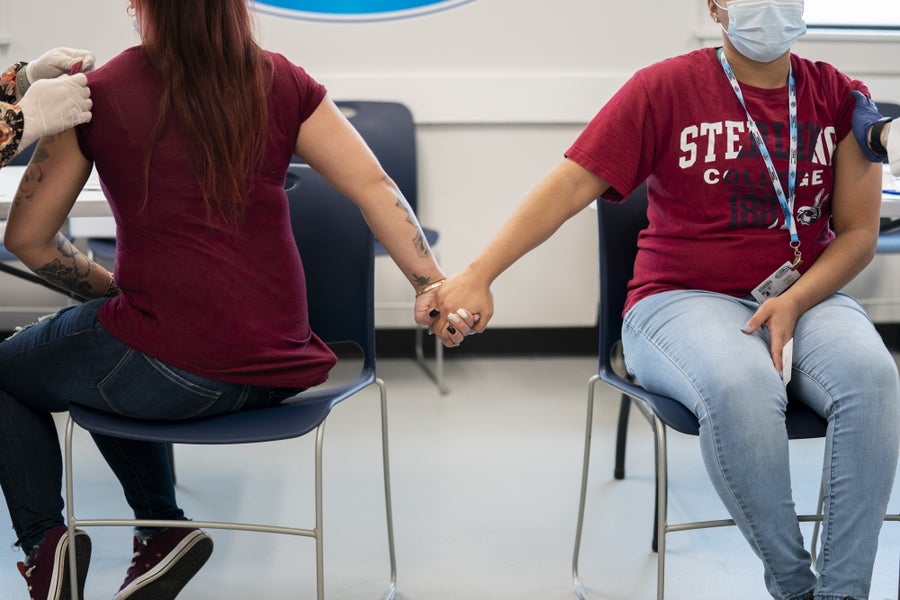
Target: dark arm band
{"x": 875, "y": 136}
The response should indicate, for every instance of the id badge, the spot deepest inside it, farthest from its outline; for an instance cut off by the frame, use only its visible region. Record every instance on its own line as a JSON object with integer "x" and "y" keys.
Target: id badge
{"x": 777, "y": 282}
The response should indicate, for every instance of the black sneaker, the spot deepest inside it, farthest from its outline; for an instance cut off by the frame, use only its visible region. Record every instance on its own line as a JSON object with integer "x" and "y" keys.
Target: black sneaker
{"x": 164, "y": 564}
{"x": 47, "y": 573}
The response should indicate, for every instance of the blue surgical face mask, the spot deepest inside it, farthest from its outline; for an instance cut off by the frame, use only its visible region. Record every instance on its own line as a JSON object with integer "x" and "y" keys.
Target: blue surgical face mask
{"x": 763, "y": 30}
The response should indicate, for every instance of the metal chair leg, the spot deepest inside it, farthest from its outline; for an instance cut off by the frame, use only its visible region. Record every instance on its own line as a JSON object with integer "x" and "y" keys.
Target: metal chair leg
{"x": 70, "y": 514}
{"x": 662, "y": 486}
{"x": 171, "y": 450}
{"x": 436, "y": 374}
{"x": 391, "y": 592}
{"x": 320, "y": 550}
{"x": 580, "y": 592}
{"x": 621, "y": 436}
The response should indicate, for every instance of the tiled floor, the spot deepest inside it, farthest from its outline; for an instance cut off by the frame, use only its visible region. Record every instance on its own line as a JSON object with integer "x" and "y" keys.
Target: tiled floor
{"x": 485, "y": 484}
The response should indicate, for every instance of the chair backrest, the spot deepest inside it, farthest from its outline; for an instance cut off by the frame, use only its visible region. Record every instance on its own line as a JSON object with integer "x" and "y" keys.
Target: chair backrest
{"x": 389, "y": 130}
{"x": 336, "y": 246}
{"x": 618, "y": 227}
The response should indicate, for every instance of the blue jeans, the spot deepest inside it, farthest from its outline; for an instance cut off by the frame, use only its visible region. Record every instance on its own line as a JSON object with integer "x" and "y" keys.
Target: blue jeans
{"x": 70, "y": 358}
{"x": 688, "y": 345}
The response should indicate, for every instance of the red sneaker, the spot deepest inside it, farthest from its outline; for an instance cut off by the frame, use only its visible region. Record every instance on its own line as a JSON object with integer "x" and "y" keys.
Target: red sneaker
{"x": 164, "y": 564}
{"x": 47, "y": 575}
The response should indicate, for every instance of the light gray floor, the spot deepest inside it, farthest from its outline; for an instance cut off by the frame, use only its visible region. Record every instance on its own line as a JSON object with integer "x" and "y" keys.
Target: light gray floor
{"x": 485, "y": 497}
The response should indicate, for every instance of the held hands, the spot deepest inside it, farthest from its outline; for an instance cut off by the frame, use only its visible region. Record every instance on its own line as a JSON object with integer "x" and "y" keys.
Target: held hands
{"x": 58, "y": 61}
{"x": 461, "y": 323}
{"x": 54, "y": 105}
{"x": 463, "y": 306}
{"x": 864, "y": 116}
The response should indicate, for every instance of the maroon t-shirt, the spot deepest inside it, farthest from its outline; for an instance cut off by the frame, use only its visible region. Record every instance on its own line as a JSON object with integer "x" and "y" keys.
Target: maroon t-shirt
{"x": 224, "y": 303}
{"x": 715, "y": 220}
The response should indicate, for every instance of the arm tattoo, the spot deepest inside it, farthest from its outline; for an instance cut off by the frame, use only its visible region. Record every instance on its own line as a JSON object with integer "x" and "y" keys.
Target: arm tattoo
{"x": 34, "y": 174}
{"x": 419, "y": 242}
{"x": 71, "y": 270}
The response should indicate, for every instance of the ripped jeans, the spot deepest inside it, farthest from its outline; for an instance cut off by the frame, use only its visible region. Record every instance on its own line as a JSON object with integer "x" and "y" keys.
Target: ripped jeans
{"x": 688, "y": 344}
{"x": 70, "y": 358}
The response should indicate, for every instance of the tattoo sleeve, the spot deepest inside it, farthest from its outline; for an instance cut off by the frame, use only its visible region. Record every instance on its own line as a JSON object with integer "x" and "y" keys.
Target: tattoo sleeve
{"x": 71, "y": 270}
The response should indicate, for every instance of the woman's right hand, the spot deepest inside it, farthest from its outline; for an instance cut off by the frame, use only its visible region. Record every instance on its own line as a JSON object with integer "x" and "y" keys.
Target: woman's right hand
{"x": 467, "y": 297}
{"x": 51, "y": 106}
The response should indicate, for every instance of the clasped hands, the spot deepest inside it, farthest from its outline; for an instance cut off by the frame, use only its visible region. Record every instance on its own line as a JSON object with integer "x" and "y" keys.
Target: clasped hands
{"x": 458, "y": 308}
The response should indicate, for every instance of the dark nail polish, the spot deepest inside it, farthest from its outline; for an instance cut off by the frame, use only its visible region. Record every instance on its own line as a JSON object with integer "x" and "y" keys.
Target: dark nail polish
{"x": 434, "y": 313}
{"x": 451, "y": 329}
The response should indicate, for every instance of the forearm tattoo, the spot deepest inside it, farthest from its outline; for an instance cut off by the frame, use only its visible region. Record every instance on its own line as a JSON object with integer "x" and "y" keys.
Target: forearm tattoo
{"x": 71, "y": 271}
{"x": 419, "y": 242}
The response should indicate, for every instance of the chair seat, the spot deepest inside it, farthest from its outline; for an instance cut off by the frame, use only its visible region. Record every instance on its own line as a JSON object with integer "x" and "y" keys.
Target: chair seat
{"x": 801, "y": 421}
{"x": 289, "y": 420}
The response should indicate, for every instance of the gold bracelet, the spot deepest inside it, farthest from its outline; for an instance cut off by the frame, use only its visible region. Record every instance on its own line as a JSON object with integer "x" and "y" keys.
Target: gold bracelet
{"x": 430, "y": 286}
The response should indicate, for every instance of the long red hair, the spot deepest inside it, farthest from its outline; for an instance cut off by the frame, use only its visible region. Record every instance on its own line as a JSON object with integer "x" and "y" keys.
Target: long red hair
{"x": 215, "y": 80}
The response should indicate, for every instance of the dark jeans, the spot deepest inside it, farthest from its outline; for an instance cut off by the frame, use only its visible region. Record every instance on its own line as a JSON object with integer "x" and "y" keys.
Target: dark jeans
{"x": 70, "y": 358}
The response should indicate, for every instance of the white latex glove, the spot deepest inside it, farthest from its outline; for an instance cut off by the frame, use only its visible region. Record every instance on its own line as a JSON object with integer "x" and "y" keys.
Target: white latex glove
{"x": 54, "y": 105}
{"x": 58, "y": 61}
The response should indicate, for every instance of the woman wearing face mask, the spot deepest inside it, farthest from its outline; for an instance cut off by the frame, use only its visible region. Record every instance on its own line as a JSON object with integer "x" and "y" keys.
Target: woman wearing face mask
{"x": 41, "y": 98}
{"x": 734, "y": 143}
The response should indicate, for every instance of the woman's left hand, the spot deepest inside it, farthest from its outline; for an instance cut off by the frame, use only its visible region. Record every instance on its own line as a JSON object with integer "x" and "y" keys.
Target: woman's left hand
{"x": 779, "y": 315}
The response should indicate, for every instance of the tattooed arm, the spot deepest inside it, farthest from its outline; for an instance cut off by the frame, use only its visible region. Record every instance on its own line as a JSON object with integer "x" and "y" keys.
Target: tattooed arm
{"x": 45, "y": 196}
{"x": 334, "y": 149}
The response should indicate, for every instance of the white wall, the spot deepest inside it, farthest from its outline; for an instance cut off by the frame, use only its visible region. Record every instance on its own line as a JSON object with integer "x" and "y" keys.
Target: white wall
{"x": 499, "y": 89}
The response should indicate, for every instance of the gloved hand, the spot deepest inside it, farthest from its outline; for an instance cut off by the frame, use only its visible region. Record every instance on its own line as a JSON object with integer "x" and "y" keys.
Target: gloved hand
{"x": 864, "y": 116}
{"x": 58, "y": 62}
{"x": 54, "y": 105}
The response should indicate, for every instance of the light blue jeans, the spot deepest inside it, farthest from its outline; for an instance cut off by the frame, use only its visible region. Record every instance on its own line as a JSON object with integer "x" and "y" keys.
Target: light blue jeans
{"x": 688, "y": 345}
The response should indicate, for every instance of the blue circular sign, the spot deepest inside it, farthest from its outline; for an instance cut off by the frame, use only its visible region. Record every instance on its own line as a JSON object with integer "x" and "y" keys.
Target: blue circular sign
{"x": 354, "y": 10}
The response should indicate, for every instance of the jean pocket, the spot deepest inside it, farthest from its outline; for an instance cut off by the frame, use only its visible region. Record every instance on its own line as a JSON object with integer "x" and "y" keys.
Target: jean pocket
{"x": 145, "y": 388}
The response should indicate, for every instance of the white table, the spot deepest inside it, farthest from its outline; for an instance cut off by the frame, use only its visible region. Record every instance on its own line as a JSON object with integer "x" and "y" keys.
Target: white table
{"x": 91, "y": 201}
{"x": 890, "y": 203}
{"x": 89, "y": 217}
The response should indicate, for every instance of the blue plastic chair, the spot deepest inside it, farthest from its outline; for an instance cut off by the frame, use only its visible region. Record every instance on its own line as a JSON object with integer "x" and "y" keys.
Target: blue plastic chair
{"x": 338, "y": 259}
{"x": 619, "y": 225}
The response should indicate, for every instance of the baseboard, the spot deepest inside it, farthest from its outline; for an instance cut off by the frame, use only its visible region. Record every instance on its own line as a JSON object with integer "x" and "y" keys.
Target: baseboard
{"x": 569, "y": 341}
